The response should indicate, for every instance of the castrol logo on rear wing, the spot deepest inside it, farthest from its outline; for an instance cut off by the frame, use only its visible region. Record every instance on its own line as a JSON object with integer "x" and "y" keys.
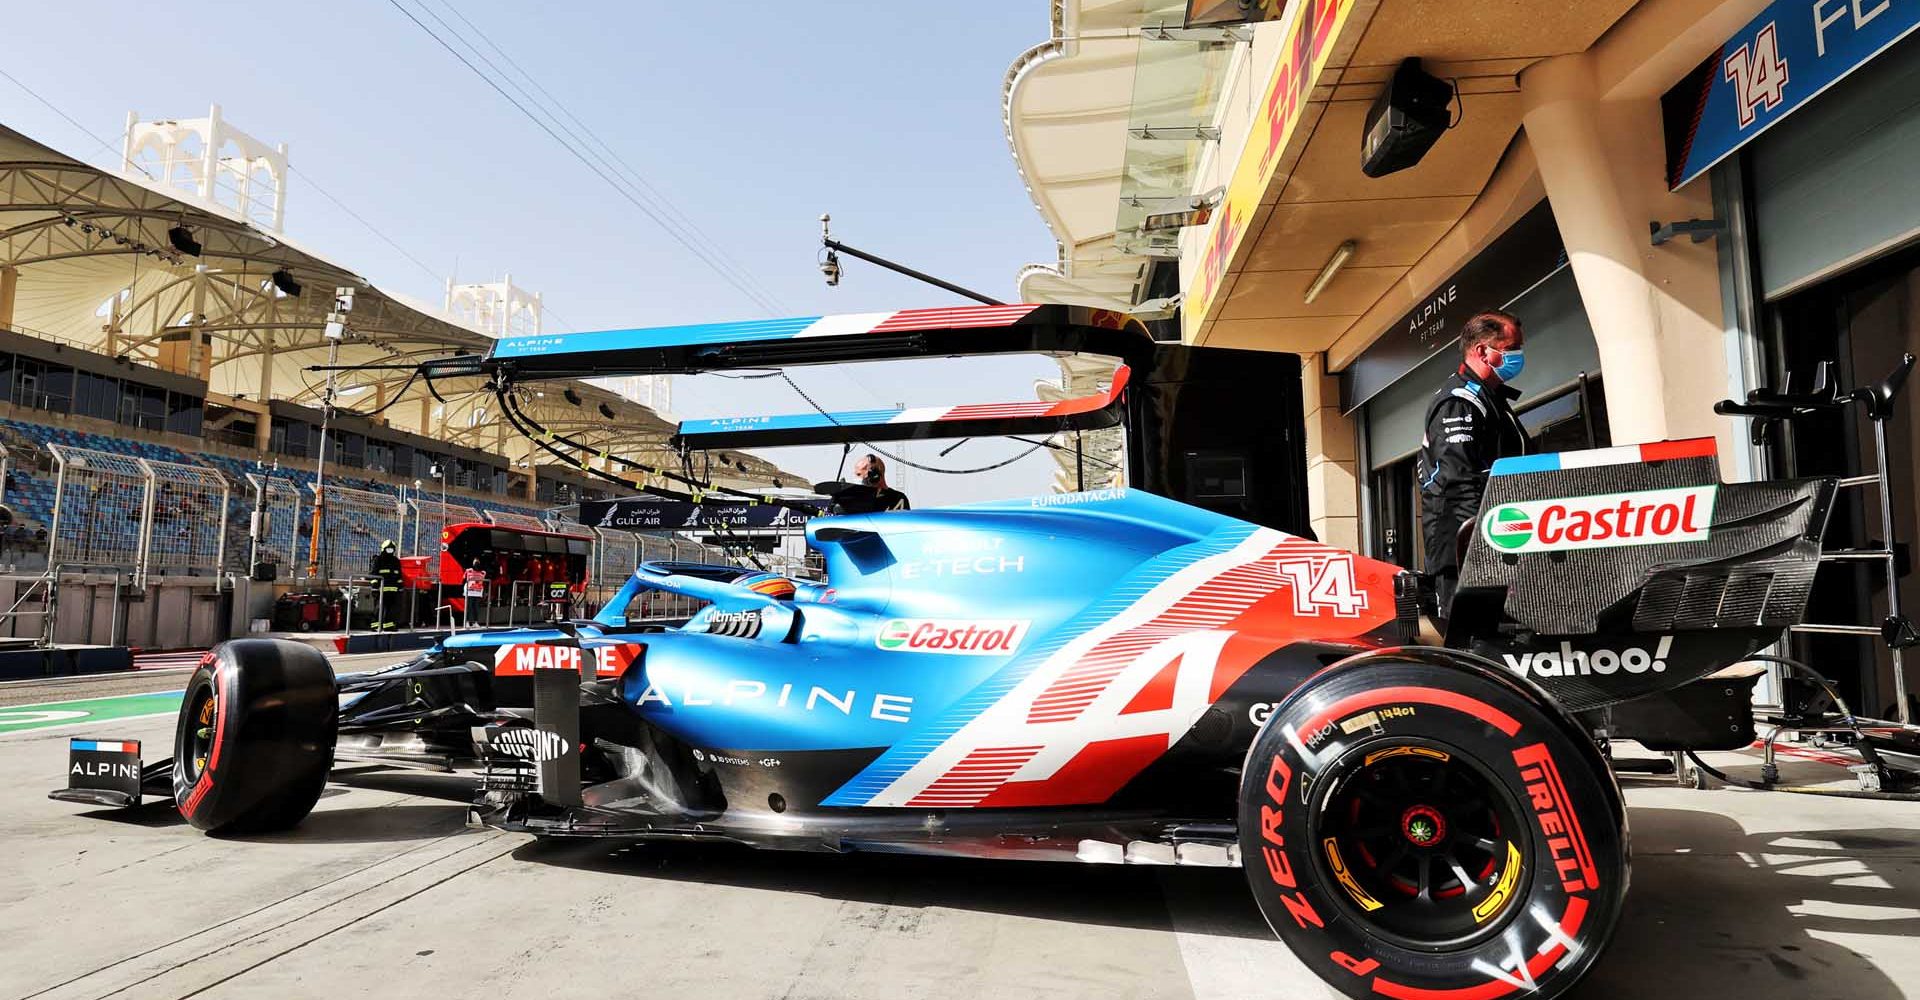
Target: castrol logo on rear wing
{"x": 1604, "y": 520}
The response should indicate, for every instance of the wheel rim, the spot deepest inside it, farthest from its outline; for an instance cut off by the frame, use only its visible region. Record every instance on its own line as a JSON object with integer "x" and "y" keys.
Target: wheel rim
{"x": 1419, "y": 843}
{"x": 196, "y": 743}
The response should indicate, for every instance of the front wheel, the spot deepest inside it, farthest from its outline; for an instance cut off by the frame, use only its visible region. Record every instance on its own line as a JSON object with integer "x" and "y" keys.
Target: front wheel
{"x": 1416, "y": 826}
{"x": 255, "y": 736}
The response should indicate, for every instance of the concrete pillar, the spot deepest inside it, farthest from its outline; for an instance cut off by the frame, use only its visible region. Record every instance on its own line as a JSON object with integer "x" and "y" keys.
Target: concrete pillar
{"x": 9, "y": 284}
{"x": 1656, "y": 311}
{"x": 1333, "y": 486}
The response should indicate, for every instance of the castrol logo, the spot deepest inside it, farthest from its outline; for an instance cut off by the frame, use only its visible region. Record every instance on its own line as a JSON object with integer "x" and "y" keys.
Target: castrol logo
{"x": 1605, "y": 520}
{"x": 954, "y": 636}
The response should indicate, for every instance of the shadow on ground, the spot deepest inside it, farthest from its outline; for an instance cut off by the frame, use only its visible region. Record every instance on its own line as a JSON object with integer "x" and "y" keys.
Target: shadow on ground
{"x": 1753, "y": 916}
{"x": 1103, "y": 895}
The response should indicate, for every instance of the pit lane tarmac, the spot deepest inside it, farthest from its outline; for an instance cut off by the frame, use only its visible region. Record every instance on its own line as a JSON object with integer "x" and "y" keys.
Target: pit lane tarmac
{"x": 384, "y": 892}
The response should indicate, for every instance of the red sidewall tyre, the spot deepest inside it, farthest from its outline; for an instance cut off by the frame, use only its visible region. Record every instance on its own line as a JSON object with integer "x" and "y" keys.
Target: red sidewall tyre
{"x": 255, "y": 736}
{"x": 1488, "y": 745}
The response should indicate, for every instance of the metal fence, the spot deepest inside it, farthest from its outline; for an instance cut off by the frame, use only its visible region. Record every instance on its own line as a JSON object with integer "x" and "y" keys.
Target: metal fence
{"x": 565, "y": 518}
{"x": 142, "y": 515}
{"x": 277, "y": 536}
{"x": 510, "y": 519}
{"x": 187, "y": 519}
{"x": 615, "y": 554}
{"x": 355, "y": 523}
{"x": 429, "y": 517}
{"x": 99, "y": 504}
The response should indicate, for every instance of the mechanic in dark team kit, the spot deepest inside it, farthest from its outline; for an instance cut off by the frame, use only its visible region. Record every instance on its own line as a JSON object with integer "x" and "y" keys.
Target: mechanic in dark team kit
{"x": 1470, "y": 422}
{"x": 871, "y": 494}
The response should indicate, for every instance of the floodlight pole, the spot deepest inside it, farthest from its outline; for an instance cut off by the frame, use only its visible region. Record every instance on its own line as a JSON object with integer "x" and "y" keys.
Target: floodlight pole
{"x": 336, "y": 331}
{"x": 832, "y": 267}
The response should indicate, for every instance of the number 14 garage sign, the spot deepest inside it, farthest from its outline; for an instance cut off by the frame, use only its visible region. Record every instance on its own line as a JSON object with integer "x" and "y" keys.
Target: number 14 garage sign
{"x": 1779, "y": 61}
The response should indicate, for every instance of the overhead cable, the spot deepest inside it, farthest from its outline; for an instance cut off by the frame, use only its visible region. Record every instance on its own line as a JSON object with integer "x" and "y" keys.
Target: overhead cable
{"x": 658, "y": 218}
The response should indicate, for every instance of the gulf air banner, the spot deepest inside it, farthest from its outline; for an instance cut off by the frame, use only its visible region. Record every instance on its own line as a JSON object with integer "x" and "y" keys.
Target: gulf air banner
{"x": 1307, "y": 47}
{"x": 1793, "y": 50}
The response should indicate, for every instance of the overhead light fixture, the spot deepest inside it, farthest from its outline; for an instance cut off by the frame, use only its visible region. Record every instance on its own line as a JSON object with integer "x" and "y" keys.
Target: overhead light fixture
{"x": 1406, "y": 120}
{"x": 1334, "y": 264}
{"x": 1177, "y": 220}
{"x": 283, "y": 280}
{"x": 606, "y": 411}
{"x": 572, "y": 397}
{"x": 182, "y": 239}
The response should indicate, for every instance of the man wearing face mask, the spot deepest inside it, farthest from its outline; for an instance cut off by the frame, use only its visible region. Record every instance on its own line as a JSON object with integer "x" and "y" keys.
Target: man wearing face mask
{"x": 1470, "y": 422}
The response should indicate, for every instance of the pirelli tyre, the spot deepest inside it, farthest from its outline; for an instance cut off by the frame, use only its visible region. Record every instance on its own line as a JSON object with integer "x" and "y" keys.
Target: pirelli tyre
{"x": 255, "y": 736}
{"x": 1415, "y": 824}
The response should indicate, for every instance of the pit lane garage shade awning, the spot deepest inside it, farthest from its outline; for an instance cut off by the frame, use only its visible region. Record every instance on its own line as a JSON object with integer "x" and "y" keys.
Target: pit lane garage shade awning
{"x": 960, "y": 330}
{"x": 1081, "y": 413}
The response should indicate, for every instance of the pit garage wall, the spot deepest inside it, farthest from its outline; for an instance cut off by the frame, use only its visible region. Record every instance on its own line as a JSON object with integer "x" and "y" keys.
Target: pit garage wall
{"x": 103, "y": 609}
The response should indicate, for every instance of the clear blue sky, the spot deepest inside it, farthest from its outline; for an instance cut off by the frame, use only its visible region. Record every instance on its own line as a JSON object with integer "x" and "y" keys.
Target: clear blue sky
{"x": 754, "y": 118}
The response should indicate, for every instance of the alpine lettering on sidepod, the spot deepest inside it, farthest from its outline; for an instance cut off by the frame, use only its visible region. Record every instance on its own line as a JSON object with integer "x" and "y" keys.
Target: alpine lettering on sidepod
{"x": 1605, "y": 520}
{"x": 955, "y": 637}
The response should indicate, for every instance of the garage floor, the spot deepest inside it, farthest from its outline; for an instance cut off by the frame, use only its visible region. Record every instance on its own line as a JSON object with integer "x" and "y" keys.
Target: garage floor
{"x": 384, "y": 892}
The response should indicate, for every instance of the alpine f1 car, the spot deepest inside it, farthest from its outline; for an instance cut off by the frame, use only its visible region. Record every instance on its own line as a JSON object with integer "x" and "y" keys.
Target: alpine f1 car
{"x": 1108, "y": 676}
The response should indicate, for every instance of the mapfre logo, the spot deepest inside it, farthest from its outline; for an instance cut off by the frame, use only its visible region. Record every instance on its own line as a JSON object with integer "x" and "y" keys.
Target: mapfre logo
{"x": 956, "y": 637}
{"x": 1605, "y": 520}
{"x": 522, "y": 659}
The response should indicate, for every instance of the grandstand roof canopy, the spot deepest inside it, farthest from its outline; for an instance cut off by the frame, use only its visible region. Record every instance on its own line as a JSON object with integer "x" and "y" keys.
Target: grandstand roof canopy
{"x": 95, "y": 267}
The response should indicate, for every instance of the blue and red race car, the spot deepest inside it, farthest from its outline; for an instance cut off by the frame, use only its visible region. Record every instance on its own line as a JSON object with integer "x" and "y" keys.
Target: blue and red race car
{"x": 1115, "y": 676}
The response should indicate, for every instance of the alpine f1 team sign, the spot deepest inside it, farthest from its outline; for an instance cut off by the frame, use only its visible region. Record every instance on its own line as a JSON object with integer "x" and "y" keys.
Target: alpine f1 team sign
{"x": 1604, "y": 520}
{"x": 1768, "y": 69}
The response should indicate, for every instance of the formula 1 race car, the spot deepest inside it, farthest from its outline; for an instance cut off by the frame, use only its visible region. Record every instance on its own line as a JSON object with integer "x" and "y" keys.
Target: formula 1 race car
{"x": 1115, "y": 676}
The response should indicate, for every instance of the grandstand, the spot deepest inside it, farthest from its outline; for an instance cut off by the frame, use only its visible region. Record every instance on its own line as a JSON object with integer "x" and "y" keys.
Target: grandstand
{"x": 156, "y": 331}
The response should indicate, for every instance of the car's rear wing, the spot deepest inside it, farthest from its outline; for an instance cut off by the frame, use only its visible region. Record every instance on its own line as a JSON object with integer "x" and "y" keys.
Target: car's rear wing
{"x": 1612, "y": 573}
{"x": 1034, "y": 417}
{"x": 815, "y": 340}
{"x": 1219, "y": 427}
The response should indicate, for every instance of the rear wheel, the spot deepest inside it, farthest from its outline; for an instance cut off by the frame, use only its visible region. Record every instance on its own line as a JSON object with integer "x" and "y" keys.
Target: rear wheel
{"x": 1416, "y": 827}
{"x": 255, "y": 736}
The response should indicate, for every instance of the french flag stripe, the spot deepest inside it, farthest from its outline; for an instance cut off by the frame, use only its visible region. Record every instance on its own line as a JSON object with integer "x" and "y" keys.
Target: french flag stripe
{"x": 844, "y": 324}
{"x": 1656, "y": 451}
{"x": 105, "y": 746}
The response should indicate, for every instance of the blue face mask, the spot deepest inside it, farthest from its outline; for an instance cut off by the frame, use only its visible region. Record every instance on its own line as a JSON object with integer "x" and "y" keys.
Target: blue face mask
{"x": 1511, "y": 363}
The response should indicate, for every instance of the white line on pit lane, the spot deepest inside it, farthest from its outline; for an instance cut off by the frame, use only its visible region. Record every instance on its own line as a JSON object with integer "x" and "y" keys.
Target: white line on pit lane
{"x": 60, "y": 729}
{"x": 99, "y": 697}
